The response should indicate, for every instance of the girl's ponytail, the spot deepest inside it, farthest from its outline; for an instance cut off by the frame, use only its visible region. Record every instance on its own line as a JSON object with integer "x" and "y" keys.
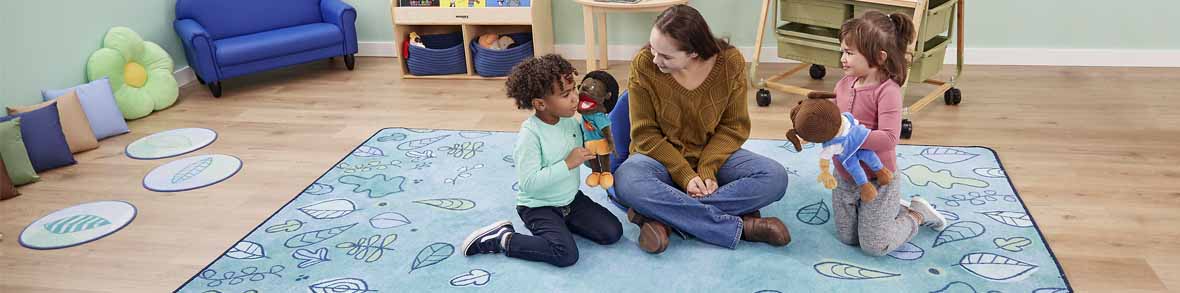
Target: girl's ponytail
{"x": 899, "y": 59}
{"x": 903, "y": 26}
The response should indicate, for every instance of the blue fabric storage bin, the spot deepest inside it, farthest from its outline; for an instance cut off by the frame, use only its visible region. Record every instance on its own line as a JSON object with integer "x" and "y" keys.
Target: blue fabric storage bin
{"x": 495, "y": 63}
{"x": 443, "y": 55}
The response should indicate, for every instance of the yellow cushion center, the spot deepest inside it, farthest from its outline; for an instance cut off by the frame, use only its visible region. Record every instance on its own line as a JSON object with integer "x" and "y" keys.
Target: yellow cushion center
{"x": 134, "y": 74}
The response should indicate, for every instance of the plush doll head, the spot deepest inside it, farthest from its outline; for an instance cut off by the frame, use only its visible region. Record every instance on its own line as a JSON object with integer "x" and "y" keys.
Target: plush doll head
{"x": 816, "y": 119}
{"x": 598, "y": 93}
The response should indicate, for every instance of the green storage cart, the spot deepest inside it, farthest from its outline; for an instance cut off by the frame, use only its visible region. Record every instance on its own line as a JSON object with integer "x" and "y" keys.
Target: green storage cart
{"x": 808, "y": 32}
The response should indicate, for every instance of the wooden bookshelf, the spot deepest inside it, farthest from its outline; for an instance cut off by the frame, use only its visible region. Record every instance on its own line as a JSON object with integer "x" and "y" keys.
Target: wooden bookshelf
{"x": 472, "y": 22}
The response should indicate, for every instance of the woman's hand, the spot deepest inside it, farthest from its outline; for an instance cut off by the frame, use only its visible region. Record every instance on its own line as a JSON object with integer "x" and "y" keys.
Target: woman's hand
{"x": 698, "y": 188}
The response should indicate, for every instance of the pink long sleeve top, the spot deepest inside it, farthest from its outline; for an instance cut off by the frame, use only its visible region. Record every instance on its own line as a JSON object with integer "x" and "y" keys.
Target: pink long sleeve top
{"x": 878, "y": 107}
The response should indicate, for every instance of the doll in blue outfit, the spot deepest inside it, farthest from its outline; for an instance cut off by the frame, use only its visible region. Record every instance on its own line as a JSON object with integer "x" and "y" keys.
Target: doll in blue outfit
{"x": 819, "y": 120}
{"x": 597, "y": 96}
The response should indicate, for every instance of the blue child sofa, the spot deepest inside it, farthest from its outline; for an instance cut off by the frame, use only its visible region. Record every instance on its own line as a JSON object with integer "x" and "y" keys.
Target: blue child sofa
{"x": 229, "y": 38}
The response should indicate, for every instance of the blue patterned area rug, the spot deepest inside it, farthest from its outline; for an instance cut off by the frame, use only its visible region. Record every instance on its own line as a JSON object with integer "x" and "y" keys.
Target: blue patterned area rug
{"x": 390, "y": 216}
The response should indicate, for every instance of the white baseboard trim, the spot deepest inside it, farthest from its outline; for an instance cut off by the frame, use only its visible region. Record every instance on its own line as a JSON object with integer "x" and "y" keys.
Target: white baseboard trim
{"x": 376, "y": 49}
{"x": 973, "y": 56}
{"x": 184, "y": 76}
{"x": 1068, "y": 57}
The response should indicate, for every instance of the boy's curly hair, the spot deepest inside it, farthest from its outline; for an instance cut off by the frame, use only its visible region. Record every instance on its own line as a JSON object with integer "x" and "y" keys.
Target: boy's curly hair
{"x": 536, "y": 78}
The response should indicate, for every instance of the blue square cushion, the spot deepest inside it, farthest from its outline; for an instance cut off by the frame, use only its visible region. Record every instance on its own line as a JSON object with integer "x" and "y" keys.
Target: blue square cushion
{"x": 41, "y": 131}
{"x": 98, "y": 102}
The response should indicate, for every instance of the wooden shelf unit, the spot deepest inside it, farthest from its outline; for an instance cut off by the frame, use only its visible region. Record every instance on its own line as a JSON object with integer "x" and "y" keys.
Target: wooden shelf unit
{"x": 473, "y": 22}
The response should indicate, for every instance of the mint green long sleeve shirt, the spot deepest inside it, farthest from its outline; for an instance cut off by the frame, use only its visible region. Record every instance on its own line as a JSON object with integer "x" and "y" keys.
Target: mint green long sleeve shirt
{"x": 540, "y": 152}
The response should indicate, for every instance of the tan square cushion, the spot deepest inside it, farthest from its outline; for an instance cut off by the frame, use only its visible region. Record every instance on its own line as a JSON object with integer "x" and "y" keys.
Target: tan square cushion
{"x": 73, "y": 121}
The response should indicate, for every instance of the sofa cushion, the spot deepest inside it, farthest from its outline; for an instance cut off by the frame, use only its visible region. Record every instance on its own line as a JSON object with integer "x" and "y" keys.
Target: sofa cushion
{"x": 280, "y": 42}
{"x": 231, "y": 18}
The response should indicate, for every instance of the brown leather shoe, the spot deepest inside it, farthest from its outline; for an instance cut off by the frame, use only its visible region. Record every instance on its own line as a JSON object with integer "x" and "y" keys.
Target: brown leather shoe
{"x": 751, "y": 215}
{"x": 635, "y": 218}
{"x": 769, "y": 230}
{"x": 653, "y": 237}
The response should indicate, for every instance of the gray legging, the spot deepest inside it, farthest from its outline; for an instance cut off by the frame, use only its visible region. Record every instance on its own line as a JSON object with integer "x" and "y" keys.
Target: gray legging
{"x": 879, "y": 226}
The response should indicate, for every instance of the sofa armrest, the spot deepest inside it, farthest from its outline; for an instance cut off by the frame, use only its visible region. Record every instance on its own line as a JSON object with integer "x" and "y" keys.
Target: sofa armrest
{"x": 344, "y": 16}
{"x": 199, "y": 49}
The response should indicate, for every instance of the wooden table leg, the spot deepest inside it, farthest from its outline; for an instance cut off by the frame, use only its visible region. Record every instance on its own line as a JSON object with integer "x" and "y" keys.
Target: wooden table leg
{"x": 603, "y": 61}
{"x": 588, "y": 31}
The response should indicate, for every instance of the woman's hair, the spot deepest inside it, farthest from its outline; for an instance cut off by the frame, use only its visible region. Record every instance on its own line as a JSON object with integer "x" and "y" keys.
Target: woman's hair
{"x": 686, "y": 25}
{"x": 875, "y": 32}
{"x": 538, "y": 77}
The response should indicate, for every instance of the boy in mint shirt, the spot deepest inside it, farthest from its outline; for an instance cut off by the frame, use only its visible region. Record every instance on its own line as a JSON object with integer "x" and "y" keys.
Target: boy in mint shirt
{"x": 548, "y": 155}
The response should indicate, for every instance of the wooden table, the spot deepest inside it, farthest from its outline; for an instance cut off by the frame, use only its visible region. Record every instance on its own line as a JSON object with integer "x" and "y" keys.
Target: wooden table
{"x": 594, "y": 16}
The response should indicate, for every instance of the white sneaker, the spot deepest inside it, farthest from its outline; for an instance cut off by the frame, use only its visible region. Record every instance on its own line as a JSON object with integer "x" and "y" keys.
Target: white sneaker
{"x": 931, "y": 217}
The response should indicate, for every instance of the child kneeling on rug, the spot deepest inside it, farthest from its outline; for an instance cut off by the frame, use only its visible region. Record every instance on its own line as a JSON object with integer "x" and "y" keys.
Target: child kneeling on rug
{"x": 548, "y": 155}
{"x": 875, "y": 65}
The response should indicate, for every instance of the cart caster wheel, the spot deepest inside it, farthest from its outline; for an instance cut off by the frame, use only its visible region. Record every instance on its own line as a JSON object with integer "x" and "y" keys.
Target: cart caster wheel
{"x": 952, "y": 96}
{"x": 818, "y": 72}
{"x": 907, "y": 128}
{"x": 763, "y": 98}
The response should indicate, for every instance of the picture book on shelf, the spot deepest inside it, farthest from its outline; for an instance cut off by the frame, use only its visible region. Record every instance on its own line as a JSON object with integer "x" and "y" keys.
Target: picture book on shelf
{"x": 454, "y": 3}
{"x": 418, "y": 3}
{"x": 507, "y": 3}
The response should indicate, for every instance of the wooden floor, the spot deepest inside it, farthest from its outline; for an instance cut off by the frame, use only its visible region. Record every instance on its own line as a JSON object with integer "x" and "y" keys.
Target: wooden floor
{"x": 1093, "y": 152}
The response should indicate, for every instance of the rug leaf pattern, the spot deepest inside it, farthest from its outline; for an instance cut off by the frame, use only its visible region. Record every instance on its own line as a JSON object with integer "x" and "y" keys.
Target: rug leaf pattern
{"x": 400, "y": 227}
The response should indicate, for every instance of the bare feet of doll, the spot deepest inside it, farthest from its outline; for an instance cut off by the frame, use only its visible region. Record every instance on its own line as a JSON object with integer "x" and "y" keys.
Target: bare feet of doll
{"x": 607, "y": 181}
{"x": 868, "y": 192}
{"x": 594, "y": 179}
{"x": 884, "y": 176}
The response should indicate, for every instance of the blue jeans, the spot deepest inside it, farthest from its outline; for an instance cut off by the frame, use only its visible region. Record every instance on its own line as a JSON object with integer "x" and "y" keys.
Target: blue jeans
{"x": 748, "y": 182}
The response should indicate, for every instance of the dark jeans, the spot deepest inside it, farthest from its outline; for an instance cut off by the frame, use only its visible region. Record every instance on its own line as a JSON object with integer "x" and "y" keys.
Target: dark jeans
{"x": 553, "y": 228}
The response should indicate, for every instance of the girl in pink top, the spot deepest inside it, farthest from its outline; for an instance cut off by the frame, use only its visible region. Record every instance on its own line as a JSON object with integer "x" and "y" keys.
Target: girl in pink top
{"x": 875, "y": 64}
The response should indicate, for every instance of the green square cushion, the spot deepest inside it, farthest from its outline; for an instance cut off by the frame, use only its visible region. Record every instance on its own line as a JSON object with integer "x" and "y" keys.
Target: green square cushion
{"x": 41, "y": 131}
{"x": 16, "y": 158}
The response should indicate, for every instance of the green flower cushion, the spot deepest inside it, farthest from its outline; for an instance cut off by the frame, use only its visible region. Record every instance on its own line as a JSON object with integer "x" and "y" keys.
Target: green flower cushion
{"x": 140, "y": 72}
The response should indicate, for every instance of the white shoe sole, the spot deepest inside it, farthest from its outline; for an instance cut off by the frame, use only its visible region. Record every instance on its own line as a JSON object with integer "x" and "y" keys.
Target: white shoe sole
{"x": 475, "y": 234}
{"x": 923, "y": 204}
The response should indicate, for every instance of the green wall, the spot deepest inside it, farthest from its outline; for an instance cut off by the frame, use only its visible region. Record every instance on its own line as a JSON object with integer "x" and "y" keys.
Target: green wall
{"x": 45, "y": 43}
{"x": 1084, "y": 24}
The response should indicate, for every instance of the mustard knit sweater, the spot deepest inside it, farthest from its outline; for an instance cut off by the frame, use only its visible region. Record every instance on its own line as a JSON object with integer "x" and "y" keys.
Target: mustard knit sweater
{"x": 691, "y": 132}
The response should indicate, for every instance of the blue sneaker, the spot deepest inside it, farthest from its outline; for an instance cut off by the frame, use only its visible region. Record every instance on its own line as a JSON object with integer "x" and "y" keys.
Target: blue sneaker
{"x": 489, "y": 239}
